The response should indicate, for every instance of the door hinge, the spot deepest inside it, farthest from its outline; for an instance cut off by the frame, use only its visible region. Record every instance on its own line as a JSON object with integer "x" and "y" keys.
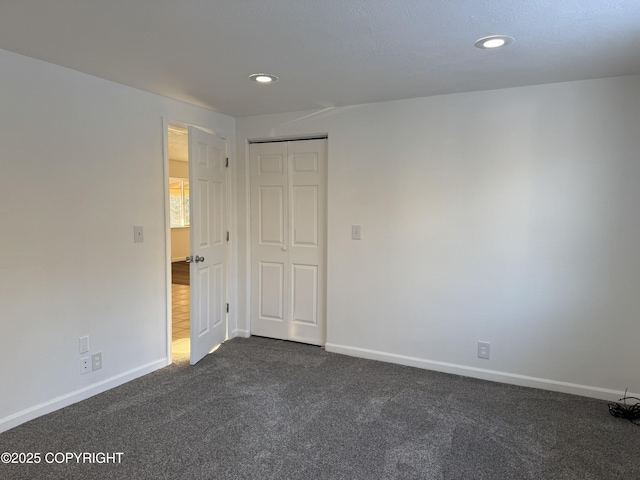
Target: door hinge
{"x": 227, "y": 308}
{"x": 227, "y": 162}
{"x": 227, "y": 236}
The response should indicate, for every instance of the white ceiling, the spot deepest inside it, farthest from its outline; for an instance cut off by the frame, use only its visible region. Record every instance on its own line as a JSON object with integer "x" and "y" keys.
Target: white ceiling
{"x": 326, "y": 52}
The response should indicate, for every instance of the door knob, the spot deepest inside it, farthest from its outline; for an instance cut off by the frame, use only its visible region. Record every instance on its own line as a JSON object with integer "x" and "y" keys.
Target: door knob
{"x": 199, "y": 259}
{"x": 284, "y": 249}
{"x": 189, "y": 259}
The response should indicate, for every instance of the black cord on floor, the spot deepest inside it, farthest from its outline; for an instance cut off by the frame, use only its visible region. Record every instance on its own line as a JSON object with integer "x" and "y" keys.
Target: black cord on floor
{"x": 631, "y": 413}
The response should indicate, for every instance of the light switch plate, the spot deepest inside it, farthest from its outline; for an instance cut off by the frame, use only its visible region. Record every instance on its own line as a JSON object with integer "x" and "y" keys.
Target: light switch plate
{"x": 356, "y": 232}
{"x": 83, "y": 344}
{"x": 138, "y": 234}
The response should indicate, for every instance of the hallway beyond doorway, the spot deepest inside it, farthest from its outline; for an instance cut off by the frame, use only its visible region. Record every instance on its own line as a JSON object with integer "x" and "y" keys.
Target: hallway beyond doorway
{"x": 180, "y": 341}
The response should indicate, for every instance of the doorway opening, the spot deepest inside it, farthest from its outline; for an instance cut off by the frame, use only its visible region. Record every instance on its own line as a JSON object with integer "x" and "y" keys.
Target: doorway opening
{"x": 179, "y": 195}
{"x": 196, "y": 163}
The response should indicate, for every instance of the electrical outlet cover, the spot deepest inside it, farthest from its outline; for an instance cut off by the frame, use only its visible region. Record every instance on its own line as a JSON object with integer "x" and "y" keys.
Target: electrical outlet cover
{"x": 96, "y": 361}
{"x": 84, "y": 365}
{"x": 484, "y": 350}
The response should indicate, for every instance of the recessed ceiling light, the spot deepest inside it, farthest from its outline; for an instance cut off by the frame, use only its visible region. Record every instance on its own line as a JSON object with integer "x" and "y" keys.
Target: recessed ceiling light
{"x": 263, "y": 78}
{"x": 493, "y": 41}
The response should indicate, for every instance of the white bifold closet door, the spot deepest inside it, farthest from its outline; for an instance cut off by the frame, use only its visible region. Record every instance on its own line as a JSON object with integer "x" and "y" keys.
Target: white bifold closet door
{"x": 288, "y": 240}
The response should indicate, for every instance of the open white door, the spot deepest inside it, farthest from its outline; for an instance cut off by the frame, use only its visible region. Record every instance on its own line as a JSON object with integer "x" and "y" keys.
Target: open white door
{"x": 208, "y": 271}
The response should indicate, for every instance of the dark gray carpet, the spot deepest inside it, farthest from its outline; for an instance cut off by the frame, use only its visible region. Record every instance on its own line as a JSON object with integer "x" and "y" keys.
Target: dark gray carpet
{"x": 267, "y": 409}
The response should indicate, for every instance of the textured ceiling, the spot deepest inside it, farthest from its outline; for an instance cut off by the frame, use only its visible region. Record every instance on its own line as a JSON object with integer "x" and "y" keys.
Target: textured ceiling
{"x": 326, "y": 52}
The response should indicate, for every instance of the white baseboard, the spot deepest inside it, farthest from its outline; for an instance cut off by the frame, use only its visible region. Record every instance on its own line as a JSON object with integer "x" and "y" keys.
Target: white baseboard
{"x": 240, "y": 333}
{"x": 62, "y": 401}
{"x": 480, "y": 373}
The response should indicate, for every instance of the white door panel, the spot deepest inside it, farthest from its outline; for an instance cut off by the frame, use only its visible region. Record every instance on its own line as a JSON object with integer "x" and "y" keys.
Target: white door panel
{"x": 269, "y": 197}
{"x": 271, "y": 215}
{"x": 288, "y": 224}
{"x": 307, "y": 254}
{"x": 271, "y": 292}
{"x": 207, "y": 177}
{"x": 305, "y": 216}
{"x": 304, "y": 297}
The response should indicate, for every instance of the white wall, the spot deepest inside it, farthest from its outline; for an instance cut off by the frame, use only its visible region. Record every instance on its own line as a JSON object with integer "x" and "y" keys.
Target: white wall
{"x": 81, "y": 163}
{"x": 506, "y": 216}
